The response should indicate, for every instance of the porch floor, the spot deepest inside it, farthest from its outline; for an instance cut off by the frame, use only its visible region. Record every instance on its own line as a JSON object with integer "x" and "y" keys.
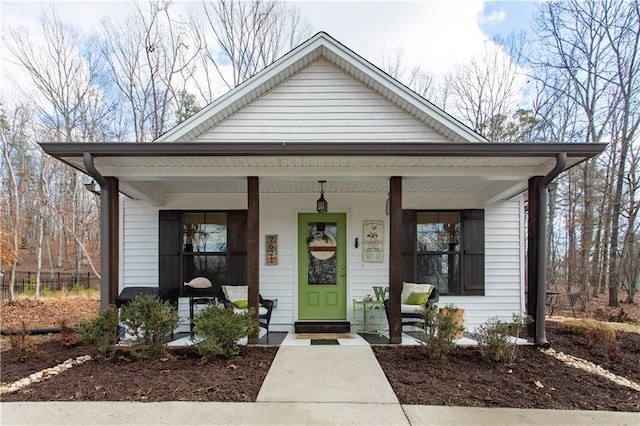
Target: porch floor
{"x": 284, "y": 338}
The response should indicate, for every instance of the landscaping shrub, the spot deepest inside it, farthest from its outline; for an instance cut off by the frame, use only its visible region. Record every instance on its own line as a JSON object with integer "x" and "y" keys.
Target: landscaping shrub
{"x": 439, "y": 332}
{"x": 24, "y": 344}
{"x": 151, "y": 323}
{"x": 220, "y": 330}
{"x": 100, "y": 334}
{"x": 68, "y": 335}
{"x": 496, "y": 338}
{"x": 594, "y": 332}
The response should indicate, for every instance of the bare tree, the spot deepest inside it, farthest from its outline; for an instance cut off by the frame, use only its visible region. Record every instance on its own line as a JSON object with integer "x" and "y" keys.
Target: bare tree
{"x": 571, "y": 63}
{"x": 70, "y": 105}
{"x": 420, "y": 81}
{"x": 250, "y": 35}
{"x": 621, "y": 22}
{"x": 485, "y": 91}
{"x": 12, "y": 140}
{"x": 150, "y": 60}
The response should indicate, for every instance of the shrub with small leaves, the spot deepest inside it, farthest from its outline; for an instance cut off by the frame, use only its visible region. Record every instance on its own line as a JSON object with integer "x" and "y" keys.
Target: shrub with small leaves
{"x": 220, "y": 330}
{"x": 100, "y": 334}
{"x": 151, "y": 322}
{"x": 439, "y": 332}
{"x": 497, "y": 338}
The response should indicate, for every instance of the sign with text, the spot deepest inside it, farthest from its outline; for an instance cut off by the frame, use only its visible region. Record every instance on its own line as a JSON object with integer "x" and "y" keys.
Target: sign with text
{"x": 373, "y": 241}
{"x": 271, "y": 244}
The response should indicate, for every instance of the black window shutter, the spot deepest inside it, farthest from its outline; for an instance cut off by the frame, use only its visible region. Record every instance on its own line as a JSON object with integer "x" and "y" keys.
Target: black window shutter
{"x": 237, "y": 247}
{"x": 170, "y": 240}
{"x": 473, "y": 252}
{"x": 409, "y": 226}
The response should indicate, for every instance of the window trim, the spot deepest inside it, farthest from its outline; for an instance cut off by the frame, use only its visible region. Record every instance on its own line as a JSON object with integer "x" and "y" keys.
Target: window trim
{"x": 472, "y": 248}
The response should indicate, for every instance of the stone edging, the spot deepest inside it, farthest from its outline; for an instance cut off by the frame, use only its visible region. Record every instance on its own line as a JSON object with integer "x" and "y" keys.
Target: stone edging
{"x": 590, "y": 367}
{"x": 45, "y": 374}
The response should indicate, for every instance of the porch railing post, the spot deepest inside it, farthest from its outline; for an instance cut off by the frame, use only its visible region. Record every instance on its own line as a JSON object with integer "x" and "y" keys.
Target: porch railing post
{"x": 395, "y": 259}
{"x": 253, "y": 249}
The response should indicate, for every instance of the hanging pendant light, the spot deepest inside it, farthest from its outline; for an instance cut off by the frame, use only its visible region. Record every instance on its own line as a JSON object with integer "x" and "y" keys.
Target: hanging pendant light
{"x": 321, "y": 204}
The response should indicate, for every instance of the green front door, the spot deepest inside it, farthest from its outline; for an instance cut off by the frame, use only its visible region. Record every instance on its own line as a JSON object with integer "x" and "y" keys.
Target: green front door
{"x": 322, "y": 268}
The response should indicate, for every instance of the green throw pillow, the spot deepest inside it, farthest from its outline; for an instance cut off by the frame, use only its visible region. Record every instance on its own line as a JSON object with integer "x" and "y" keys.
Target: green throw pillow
{"x": 417, "y": 298}
{"x": 241, "y": 304}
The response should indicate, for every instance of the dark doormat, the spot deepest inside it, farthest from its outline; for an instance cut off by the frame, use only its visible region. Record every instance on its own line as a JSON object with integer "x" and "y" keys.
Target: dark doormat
{"x": 324, "y": 342}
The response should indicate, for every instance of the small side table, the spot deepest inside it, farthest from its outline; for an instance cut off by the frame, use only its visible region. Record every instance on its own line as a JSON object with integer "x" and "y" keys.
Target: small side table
{"x": 366, "y": 307}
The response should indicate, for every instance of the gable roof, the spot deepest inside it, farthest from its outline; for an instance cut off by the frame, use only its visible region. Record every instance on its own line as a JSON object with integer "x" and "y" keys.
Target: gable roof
{"x": 321, "y": 45}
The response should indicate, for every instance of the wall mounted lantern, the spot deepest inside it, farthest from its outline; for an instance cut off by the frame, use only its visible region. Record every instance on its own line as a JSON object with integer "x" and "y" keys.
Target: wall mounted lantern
{"x": 321, "y": 204}
{"x": 91, "y": 187}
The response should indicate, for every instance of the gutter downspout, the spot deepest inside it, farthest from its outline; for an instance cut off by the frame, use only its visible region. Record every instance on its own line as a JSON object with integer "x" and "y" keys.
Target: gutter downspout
{"x": 543, "y": 205}
{"x": 104, "y": 228}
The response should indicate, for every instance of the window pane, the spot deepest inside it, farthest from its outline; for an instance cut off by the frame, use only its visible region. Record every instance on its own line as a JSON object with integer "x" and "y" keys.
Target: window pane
{"x": 213, "y": 267}
{"x": 441, "y": 270}
{"x": 438, "y": 231}
{"x": 322, "y": 259}
{"x": 205, "y": 232}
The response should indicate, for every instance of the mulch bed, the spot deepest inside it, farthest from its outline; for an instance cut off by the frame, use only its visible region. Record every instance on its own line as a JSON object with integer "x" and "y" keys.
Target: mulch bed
{"x": 465, "y": 379}
{"x": 625, "y": 363}
{"x": 536, "y": 380}
{"x": 183, "y": 376}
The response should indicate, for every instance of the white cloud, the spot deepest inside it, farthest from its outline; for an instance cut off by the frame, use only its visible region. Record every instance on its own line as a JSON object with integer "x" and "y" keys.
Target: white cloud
{"x": 435, "y": 35}
{"x": 494, "y": 17}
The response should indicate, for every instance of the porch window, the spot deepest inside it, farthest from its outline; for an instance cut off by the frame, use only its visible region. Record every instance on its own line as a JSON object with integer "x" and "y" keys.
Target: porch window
{"x": 438, "y": 250}
{"x": 446, "y": 249}
{"x": 204, "y": 239}
{"x": 210, "y": 244}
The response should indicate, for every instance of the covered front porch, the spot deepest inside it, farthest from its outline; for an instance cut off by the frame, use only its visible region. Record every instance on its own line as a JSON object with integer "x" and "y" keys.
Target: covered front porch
{"x": 274, "y": 183}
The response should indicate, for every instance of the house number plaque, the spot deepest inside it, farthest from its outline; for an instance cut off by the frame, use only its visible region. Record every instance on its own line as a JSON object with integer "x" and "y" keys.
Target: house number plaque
{"x": 373, "y": 241}
{"x": 271, "y": 244}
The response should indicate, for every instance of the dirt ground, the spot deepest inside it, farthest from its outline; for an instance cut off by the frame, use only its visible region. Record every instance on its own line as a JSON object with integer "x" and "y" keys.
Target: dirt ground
{"x": 535, "y": 380}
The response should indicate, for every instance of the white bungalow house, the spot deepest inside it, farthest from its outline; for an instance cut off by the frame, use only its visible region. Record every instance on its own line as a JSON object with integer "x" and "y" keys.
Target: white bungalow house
{"x": 414, "y": 195}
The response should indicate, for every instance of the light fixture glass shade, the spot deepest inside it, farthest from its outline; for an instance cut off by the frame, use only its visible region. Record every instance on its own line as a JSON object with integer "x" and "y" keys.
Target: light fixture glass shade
{"x": 322, "y": 205}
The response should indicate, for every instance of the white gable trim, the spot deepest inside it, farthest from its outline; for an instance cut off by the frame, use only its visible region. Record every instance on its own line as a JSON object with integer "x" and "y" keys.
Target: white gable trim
{"x": 321, "y": 45}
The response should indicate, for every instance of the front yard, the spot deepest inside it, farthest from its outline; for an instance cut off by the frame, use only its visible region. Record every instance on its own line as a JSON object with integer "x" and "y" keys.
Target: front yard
{"x": 535, "y": 380}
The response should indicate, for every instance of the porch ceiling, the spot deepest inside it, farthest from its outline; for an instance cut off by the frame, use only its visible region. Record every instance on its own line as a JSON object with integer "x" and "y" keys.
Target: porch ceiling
{"x": 490, "y": 171}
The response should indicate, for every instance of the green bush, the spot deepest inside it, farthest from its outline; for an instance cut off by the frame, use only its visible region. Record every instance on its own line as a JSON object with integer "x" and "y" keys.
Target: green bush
{"x": 151, "y": 322}
{"x": 440, "y": 330}
{"x": 220, "y": 330}
{"x": 100, "y": 334}
{"x": 496, "y": 337}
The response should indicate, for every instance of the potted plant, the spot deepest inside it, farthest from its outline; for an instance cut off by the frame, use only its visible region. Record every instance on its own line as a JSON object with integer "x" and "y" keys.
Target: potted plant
{"x": 458, "y": 317}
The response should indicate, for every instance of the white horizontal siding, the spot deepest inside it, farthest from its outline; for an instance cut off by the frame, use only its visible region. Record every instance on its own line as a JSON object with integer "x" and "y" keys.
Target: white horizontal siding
{"x": 278, "y": 215}
{"x": 321, "y": 103}
{"x": 139, "y": 244}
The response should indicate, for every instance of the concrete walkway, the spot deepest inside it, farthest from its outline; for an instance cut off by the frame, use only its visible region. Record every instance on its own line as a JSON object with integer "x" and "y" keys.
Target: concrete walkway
{"x": 340, "y": 374}
{"x": 306, "y": 385}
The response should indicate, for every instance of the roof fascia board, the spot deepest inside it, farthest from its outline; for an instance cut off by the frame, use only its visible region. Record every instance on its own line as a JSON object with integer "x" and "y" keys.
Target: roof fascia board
{"x": 186, "y": 149}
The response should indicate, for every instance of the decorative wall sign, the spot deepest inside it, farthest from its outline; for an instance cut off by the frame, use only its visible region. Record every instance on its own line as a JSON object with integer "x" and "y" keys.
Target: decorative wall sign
{"x": 373, "y": 241}
{"x": 271, "y": 243}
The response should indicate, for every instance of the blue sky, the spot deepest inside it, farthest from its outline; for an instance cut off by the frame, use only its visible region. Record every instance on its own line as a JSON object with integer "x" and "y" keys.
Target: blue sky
{"x": 517, "y": 16}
